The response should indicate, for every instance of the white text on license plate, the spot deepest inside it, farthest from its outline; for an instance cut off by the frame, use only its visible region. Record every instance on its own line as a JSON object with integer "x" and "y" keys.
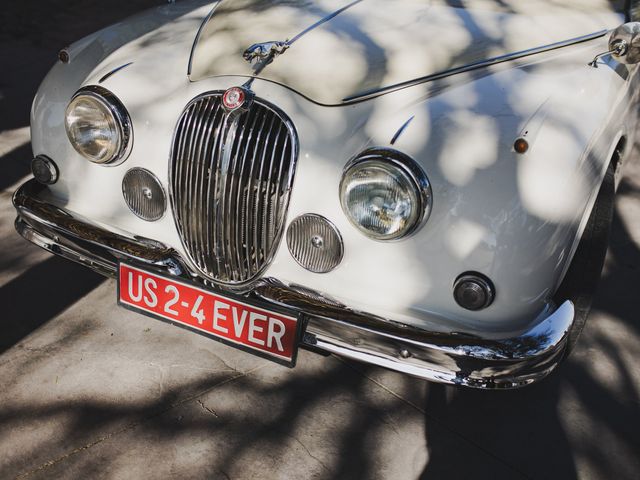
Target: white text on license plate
{"x": 235, "y": 322}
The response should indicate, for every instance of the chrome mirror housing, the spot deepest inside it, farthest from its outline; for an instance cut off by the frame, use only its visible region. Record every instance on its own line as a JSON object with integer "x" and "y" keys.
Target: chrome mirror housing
{"x": 624, "y": 43}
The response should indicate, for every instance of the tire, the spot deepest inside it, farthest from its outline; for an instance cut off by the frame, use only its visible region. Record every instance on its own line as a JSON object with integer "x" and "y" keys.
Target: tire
{"x": 581, "y": 281}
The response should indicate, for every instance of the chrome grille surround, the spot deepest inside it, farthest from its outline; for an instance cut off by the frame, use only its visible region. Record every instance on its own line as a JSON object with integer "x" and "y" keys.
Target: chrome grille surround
{"x": 230, "y": 180}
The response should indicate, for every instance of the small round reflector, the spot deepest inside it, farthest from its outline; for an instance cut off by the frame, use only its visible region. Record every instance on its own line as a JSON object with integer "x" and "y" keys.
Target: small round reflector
{"x": 144, "y": 194}
{"x": 233, "y": 98}
{"x": 44, "y": 170}
{"x": 315, "y": 243}
{"x": 473, "y": 291}
{"x": 521, "y": 146}
{"x": 63, "y": 55}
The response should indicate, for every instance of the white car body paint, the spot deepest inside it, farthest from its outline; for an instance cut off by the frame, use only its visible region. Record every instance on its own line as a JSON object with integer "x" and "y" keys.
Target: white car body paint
{"x": 515, "y": 218}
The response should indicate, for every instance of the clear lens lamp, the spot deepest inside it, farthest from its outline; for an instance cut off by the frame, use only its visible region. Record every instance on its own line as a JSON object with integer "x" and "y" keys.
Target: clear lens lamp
{"x": 385, "y": 194}
{"x": 98, "y": 126}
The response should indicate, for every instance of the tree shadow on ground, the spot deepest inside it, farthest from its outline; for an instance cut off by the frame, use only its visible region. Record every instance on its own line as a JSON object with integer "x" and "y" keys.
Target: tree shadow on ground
{"x": 532, "y": 432}
{"x": 14, "y": 166}
{"x": 544, "y": 430}
{"x": 39, "y": 294}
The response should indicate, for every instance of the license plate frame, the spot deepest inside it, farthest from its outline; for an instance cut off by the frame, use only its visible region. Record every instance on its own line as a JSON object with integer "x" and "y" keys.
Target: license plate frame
{"x": 294, "y": 334}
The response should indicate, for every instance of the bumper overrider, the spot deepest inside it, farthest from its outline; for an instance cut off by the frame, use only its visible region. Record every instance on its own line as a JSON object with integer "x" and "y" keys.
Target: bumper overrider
{"x": 453, "y": 358}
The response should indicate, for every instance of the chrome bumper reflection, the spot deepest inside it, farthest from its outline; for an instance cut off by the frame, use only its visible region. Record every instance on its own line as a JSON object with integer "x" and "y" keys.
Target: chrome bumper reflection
{"x": 332, "y": 327}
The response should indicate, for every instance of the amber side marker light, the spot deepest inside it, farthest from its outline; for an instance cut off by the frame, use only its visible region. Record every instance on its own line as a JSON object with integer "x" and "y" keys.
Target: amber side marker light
{"x": 521, "y": 146}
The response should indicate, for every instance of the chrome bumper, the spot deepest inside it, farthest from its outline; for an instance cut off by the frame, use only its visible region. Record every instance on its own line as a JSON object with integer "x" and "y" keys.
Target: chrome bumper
{"x": 331, "y": 327}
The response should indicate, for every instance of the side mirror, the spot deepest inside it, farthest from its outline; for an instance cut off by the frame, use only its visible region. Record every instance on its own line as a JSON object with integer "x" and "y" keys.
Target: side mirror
{"x": 624, "y": 45}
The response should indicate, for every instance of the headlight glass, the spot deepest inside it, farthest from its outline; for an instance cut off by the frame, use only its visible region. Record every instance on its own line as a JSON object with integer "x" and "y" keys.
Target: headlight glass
{"x": 385, "y": 194}
{"x": 98, "y": 126}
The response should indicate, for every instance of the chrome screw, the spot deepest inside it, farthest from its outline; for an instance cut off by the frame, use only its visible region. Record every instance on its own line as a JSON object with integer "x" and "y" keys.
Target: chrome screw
{"x": 317, "y": 241}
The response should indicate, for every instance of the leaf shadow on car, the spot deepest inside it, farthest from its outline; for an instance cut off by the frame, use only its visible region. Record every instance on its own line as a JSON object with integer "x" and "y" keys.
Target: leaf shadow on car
{"x": 345, "y": 419}
{"x": 580, "y": 419}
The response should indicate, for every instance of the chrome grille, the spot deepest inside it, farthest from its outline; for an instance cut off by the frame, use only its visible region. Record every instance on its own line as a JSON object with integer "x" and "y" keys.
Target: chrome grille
{"x": 230, "y": 177}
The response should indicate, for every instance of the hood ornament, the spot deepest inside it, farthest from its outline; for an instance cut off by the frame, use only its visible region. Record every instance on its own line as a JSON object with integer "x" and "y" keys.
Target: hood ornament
{"x": 259, "y": 55}
{"x": 264, "y": 52}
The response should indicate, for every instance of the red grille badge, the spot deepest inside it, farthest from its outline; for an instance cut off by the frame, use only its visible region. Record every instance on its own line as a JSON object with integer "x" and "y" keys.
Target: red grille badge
{"x": 234, "y": 98}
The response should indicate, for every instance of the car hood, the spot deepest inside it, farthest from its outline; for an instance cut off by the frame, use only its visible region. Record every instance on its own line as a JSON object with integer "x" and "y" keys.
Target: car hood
{"x": 372, "y": 44}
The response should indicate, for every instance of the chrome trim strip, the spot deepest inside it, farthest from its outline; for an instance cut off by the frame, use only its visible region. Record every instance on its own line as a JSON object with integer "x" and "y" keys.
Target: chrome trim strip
{"x": 446, "y": 358}
{"x": 198, "y": 34}
{"x": 401, "y": 130}
{"x": 322, "y": 21}
{"x": 370, "y": 94}
{"x": 114, "y": 71}
{"x": 474, "y": 66}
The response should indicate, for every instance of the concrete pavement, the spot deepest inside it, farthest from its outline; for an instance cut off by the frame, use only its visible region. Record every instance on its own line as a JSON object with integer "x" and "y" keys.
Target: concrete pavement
{"x": 90, "y": 390}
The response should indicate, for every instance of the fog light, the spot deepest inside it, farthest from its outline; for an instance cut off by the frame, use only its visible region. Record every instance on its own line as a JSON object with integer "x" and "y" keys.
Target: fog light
{"x": 315, "y": 243}
{"x": 473, "y": 291}
{"x": 144, "y": 194}
{"x": 44, "y": 170}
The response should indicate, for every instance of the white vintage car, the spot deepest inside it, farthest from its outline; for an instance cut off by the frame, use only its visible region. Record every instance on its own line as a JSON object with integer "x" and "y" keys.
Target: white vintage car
{"x": 419, "y": 185}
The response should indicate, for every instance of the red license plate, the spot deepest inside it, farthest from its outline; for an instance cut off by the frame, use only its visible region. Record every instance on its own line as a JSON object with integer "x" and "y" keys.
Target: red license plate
{"x": 263, "y": 331}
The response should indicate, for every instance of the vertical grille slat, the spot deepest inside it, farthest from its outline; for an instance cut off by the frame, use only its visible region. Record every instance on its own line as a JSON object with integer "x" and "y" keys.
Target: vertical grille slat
{"x": 204, "y": 157}
{"x": 230, "y": 177}
{"x": 247, "y": 205}
{"x": 228, "y": 196}
{"x": 193, "y": 165}
{"x": 211, "y": 184}
{"x": 214, "y": 253}
{"x": 267, "y": 232}
{"x": 183, "y": 138}
{"x": 276, "y": 209}
{"x": 199, "y": 167}
{"x": 231, "y": 207}
{"x": 257, "y": 190}
{"x": 240, "y": 196}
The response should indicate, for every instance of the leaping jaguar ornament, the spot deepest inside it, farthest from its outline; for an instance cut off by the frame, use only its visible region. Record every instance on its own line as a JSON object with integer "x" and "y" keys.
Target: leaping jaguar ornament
{"x": 264, "y": 52}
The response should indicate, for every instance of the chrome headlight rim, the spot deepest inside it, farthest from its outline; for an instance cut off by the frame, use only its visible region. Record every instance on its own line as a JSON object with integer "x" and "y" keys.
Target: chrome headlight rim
{"x": 407, "y": 166}
{"x": 122, "y": 121}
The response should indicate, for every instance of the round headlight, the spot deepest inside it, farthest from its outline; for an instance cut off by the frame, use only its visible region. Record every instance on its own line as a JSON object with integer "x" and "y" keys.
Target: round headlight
{"x": 98, "y": 125}
{"x": 385, "y": 194}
